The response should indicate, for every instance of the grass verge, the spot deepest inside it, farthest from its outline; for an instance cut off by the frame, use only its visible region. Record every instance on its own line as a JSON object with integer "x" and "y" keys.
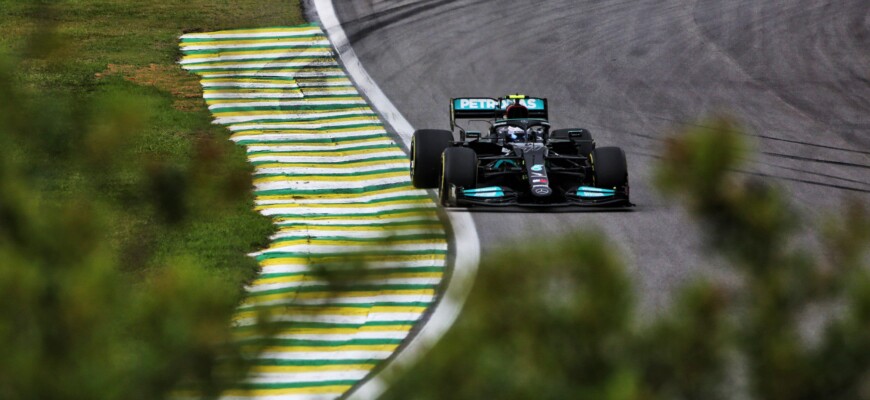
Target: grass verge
{"x": 174, "y": 186}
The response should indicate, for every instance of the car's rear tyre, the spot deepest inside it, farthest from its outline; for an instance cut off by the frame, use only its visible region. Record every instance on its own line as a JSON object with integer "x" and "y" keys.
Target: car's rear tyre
{"x": 460, "y": 169}
{"x": 609, "y": 167}
{"x": 584, "y": 142}
{"x": 426, "y": 148}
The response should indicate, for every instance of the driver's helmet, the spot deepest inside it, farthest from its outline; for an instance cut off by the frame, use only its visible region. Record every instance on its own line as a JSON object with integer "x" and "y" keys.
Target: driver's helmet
{"x": 514, "y": 133}
{"x": 517, "y": 111}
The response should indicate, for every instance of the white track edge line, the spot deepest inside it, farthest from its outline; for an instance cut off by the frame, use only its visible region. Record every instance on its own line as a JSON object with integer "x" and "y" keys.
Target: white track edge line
{"x": 464, "y": 233}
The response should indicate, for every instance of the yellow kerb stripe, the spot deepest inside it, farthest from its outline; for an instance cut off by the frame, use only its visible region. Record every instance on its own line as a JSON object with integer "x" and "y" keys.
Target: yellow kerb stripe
{"x": 434, "y": 226}
{"x": 373, "y": 218}
{"x": 331, "y": 295}
{"x": 327, "y": 100}
{"x": 354, "y": 205}
{"x": 339, "y": 196}
{"x": 337, "y": 390}
{"x": 309, "y": 278}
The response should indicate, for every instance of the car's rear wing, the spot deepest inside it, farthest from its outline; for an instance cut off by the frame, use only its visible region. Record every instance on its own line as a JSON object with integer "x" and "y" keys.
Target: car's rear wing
{"x": 488, "y": 108}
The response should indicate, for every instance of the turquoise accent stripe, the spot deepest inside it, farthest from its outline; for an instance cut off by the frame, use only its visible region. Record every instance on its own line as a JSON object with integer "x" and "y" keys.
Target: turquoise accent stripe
{"x": 494, "y": 191}
{"x": 588, "y": 191}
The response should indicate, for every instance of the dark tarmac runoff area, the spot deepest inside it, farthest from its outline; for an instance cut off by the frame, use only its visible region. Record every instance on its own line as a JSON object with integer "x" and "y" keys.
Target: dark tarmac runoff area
{"x": 795, "y": 74}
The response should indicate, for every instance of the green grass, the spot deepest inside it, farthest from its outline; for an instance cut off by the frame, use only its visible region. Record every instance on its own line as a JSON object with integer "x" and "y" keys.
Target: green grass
{"x": 171, "y": 185}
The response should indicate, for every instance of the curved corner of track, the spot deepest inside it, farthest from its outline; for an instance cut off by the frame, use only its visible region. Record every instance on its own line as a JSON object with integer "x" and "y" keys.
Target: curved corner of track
{"x": 464, "y": 244}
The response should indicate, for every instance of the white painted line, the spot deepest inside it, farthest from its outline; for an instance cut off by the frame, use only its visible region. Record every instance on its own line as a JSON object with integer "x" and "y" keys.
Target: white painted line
{"x": 306, "y": 396}
{"x": 464, "y": 232}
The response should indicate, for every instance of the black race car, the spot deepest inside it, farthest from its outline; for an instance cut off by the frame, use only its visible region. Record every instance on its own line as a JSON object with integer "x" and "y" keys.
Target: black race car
{"x": 519, "y": 161}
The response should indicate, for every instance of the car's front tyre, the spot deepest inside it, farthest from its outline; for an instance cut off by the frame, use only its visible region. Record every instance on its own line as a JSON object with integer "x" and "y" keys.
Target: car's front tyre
{"x": 460, "y": 170}
{"x": 610, "y": 170}
{"x": 426, "y": 148}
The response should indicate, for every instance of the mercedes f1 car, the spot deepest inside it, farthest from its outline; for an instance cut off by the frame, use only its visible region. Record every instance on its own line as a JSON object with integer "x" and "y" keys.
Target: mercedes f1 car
{"x": 518, "y": 161}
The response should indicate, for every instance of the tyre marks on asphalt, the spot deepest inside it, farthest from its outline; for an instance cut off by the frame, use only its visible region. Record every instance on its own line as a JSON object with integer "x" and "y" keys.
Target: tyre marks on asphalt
{"x": 337, "y": 188}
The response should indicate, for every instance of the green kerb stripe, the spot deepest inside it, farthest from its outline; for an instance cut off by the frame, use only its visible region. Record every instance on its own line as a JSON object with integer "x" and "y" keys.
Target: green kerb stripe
{"x": 310, "y": 192}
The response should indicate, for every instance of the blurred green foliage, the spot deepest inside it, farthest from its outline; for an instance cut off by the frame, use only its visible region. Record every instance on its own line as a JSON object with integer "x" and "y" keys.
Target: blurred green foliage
{"x": 125, "y": 216}
{"x": 566, "y": 326}
{"x": 125, "y": 219}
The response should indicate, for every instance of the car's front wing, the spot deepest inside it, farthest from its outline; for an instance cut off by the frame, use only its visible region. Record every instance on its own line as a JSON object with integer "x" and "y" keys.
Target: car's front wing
{"x": 583, "y": 196}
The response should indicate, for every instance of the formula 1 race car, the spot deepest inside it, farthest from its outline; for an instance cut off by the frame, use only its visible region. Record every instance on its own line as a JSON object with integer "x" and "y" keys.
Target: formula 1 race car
{"x": 519, "y": 161}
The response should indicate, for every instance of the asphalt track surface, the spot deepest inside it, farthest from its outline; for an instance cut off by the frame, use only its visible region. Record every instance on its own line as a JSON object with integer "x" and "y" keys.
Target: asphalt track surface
{"x": 796, "y": 74}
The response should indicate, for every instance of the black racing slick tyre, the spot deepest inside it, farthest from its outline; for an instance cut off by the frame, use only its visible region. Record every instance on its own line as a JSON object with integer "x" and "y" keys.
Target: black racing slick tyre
{"x": 460, "y": 170}
{"x": 609, "y": 167}
{"x": 426, "y": 148}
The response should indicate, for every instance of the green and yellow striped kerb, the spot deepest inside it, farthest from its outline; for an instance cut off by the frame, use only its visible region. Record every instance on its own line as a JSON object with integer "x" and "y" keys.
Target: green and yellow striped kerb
{"x": 337, "y": 187}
